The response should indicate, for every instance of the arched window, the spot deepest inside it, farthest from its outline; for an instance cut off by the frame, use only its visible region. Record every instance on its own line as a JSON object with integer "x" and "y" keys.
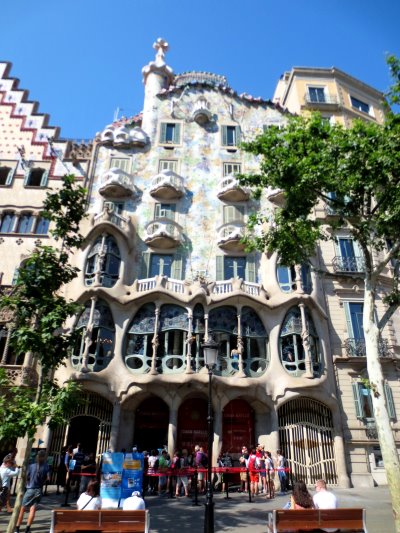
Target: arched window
{"x": 101, "y": 349}
{"x": 7, "y": 223}
{"x": 103, "y": 257}
{"x": 25, "y": 223}
{"x": 42, "y": 226}
{"x": 173, "y": 331}
{"x": 254, "y": 339}
{"x": 292, "y": 347}
{"x": 139, "y": 348}
{"x": 286, "y": 276}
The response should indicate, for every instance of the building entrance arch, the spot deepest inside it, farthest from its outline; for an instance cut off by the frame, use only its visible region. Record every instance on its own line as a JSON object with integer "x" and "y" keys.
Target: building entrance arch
{"x": 151, "y": 424}
{"x": 192, "y": 424}
{"x": 237, "y": 426}
{"x": 306, "y": 439}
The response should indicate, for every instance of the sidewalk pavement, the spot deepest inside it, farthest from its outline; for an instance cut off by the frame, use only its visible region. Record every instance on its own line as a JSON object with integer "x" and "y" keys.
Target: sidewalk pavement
{"x": 234, "y": 515}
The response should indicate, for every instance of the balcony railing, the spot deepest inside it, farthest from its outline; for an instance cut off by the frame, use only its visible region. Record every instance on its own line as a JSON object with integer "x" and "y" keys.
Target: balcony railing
{"x": 167, "y": 185}
{"x": 226, "y": 286}
{"x": 163, "y": 233}
{"x": 356, "y": 348}
{"x": 321, "y": 99}
{"x": 177, "y": 364}
{"x": 230, "y": 189}
{"x": 348, "y": 264}
{"x": 229, "y": 236}
{"x": 117, "y": 184}
{"x": 114, "y": 218}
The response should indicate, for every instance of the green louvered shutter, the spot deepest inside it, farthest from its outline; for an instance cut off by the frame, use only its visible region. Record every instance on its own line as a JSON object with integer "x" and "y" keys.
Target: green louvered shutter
{"x": 177, "y": 134}
{"x": 176, "y": 270}
{"x": 229, "y": 213}
{"x": 224, "y": 135}
{"x": 238, "y": 136}
{"x": 45, "y": 178}
{"x": 348, "y": 319}
{"x": 250, "y": 269}
{"x": 15, "y": 277}
{"x": 145, "y": 265}
{"x": 163, "y": 132}
{"x": 357, "y": 400}
{"x": 389, "y": 401}
{"x": 219, "y": 268}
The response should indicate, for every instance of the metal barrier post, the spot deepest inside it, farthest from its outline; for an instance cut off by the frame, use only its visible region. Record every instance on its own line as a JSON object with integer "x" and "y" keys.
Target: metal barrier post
{"x": 67, "y": 491}
{"x": 226, "y": 481}
{"x": 194, "y": 481}
{"x": 248, "y": 484}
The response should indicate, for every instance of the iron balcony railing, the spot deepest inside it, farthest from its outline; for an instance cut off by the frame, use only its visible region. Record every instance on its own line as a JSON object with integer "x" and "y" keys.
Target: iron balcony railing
{"x": 348, "y": 264}
{"x": 317, "y": 99}
{"x": 356, "y": 348}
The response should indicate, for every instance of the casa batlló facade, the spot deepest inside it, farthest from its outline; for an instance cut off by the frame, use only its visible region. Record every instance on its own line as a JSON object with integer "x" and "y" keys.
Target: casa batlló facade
{"x": 163, "y": 268}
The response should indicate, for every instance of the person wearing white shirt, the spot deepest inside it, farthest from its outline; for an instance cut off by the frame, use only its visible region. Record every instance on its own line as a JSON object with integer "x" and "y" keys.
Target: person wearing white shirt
{"x": 90, "y": 500}
{"x": 324, "y": 499}
{"x": 134, "y": 502}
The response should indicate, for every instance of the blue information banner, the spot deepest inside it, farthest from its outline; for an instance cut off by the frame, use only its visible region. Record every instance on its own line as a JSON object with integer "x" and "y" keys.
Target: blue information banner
{"x": 121, "y": 474}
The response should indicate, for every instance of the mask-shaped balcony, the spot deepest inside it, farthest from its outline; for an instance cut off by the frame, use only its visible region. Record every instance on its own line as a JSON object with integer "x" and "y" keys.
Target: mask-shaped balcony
{"x": 230, "y": 235}
{"x": 167, "y": 185}
{"x": 276, "y": 196}
{"x": 201, "y": 111}
{"x": 124, "y": 136}
{"x": 163, "y": 233}
{"x": 117, "y": 184}
{"x": 229, "y": 190}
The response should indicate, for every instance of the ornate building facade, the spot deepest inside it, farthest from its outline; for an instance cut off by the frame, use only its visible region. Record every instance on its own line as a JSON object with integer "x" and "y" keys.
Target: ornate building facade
{"x": 163, "y": 267}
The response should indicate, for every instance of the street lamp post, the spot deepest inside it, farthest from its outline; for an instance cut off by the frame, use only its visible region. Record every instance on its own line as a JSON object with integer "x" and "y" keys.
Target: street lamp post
{"x": 210, "y": 350}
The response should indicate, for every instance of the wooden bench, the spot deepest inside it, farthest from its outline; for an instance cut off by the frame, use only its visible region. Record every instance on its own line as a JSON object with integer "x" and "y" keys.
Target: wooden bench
{"x": 106, "y": 521}
{"x": 315, "y": 519}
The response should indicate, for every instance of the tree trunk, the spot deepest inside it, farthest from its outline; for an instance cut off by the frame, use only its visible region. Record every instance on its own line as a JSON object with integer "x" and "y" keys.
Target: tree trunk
{"x": 20, "y": 487}
{"x": 385, "y": 434}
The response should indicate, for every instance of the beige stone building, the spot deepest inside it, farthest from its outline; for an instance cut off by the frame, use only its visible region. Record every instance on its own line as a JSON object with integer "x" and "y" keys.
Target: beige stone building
{"x": 163, "y": 266}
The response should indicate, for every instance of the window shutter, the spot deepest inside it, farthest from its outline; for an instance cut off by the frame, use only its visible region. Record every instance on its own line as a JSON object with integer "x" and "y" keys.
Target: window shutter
{"x": 348, "y": 320}
{"x": 219, "y": 268}
{"x": 389, "y": 401}
{"x": 145, "y": 264}
{"x": 357, "y": 400}
{"x": 224, "y": 135}
{"x": 237, "y": 135}
{"x": 10, "y": 176}
{"x": 177, "y": 267}
{"x": 250, "y": 269}
{"x": 157, "y": 209}
{"x": 177, "y": 134}
{"x": 45, "y": 178}
{"x": 163, "y": 132}
{"x": 26, "y": 177}
{"x": 230, "y": 213}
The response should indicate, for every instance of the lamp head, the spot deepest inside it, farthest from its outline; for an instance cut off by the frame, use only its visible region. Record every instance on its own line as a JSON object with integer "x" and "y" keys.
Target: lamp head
{"x": 210, "y": 351}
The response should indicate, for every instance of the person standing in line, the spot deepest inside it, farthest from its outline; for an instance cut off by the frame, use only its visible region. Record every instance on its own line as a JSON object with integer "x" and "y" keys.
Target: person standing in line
{"x": 243, "y": 460}
{"x": 90, "y": 500}
{"x": 152, "y": 472}
{"x": 269, "y": 465}
{"x": 253, "y": 466}
{"x": 282, "y": 474}
{"x": 88, "y": 467}
{"x": 37, "y": 476}
{"x": 7, "y": 472}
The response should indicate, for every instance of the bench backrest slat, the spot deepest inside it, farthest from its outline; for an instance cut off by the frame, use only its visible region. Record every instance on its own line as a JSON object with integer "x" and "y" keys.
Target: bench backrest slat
{"x": 108, "y": 520}
{"x": 309, "y": 519}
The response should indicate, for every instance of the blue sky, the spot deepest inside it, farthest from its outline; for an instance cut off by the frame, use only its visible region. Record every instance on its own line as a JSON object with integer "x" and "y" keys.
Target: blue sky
{"x": 82, "y": 59}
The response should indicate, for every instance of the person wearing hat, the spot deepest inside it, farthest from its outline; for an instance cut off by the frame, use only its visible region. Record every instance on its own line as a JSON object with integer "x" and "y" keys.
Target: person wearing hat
{"x": 134, "y": 502}
{"x": 38, "y": 475}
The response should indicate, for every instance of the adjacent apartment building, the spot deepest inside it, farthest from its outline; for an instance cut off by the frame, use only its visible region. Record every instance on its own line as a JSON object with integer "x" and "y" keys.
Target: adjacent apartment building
{"x": 163, "y": 266}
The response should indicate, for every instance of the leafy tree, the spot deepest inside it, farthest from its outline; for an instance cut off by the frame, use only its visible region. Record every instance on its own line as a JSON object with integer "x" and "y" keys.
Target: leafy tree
{"x": 39, "y": 313}
{"x": 309, "y": 160}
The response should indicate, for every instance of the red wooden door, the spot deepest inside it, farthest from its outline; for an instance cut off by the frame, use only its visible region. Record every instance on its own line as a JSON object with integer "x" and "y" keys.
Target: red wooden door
{"x": 192, "y": 424}
{"x": 237, "y": 426}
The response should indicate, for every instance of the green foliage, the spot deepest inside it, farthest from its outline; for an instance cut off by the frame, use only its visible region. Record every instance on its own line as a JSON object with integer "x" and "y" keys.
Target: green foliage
{"x": 309, "y": 159}
{"x": 20, "y": 414}
{"x": 39, "y": 310}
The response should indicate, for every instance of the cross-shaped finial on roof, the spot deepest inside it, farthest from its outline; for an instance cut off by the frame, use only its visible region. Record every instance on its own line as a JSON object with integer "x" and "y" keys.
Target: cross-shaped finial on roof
{"x": 161, "y": 46}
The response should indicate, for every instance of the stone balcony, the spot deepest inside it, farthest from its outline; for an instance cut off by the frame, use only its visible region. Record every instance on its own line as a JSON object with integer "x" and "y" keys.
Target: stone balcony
{"x": 19, "y": 375}
{"x": 167, "y": 185}
{"x": 117, "y": 184}
{"x": 108, "y": 216}
{"x": 163, "y": 233}
{"x": 229, "y": 236}
{"x": 230, "y": 190}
